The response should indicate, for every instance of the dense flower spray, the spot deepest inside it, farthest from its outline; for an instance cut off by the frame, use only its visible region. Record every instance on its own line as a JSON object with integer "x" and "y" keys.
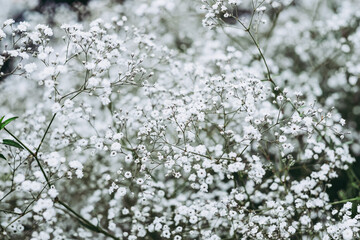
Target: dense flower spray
{"x": 168, "y": 120}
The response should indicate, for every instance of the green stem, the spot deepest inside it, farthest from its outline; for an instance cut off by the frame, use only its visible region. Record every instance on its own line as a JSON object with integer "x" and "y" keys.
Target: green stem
{"x": 33, "y": 154}
{"x": 47, "y": 130}
{"x": 85, "y": 222}
{"x": 247, "y": 29}
{"x": 346, "y": 200}
{"x": 81, "y": 219}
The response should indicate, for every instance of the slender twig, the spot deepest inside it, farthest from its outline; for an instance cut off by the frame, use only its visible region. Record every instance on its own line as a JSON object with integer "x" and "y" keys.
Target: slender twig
{"x": 85, "y": 222}
{"x": 247, "y": 29}
{"x": 81, "y": 219}
{"x": 32, "y": 153}
{"x": 346, "y": 200}
{"x": 47, "y": 130}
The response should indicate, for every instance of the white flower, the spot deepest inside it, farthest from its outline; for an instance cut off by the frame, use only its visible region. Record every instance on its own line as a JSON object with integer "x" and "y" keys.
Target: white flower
{"x": 118, "y": 136}
{"x": 116, "y": 146}
{"x": 42, "y": 56}
{"x": 76, "y": 164}
{"x": 236, "y": 167}
{"x": 35, "y": 186}
{"x": 26, "y": 185}
{"x": 201, "y": 173}
{"x": 90, "y": 65}
{"x": 23, "y": 26}
{"x": 347, "y": 234}
{"x": 53, "y": 161}
{"x": 128, "y": 174}
{"x": 318, "y": 226}
{"x": 9, "y": 22}
{"x": 53, "y": 192}
{"x": 305, "y": 220}
{"x": 68, "y": 103}
{"x": 31, "y": 67}
{"x": 342, "y": 122}
{"x": 120, "y": 192}
{"x": 291, "y": 230}
{"x": 93, "y": 81}
{"x": 282, "y": 138}
{"x": 294, "y": 129}
{"x": 56, "y": 107}
{"x": 193, "y": 219}
{"x": 43, "y": 236}
{"x": 288, "y": 148}
{"x": 257, "y": 172}
{"x": 128, "y": 158}
{"x": 79, "y": 173}
{"x": 47, "y": 31}
{"x": 43, "y": 204}
{"x": 49, "y": 214}
{"x": 104, "y": 64}
{"x": 19, "y": 178}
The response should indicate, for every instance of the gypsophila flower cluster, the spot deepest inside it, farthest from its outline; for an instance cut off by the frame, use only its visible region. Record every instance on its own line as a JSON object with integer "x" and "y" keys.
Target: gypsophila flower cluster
{"x": 154, "y": 119}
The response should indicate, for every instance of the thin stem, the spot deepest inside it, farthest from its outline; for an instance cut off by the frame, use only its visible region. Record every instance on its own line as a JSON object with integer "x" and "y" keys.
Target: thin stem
{"x": 85, "y": 222}
{"x": 262, "y": 57}
{"x": 21, "y": 143}
{"x": 346, "y": 200}
{"x": 47, "y": 130}
{"x": 247, "y": 29}
{"x": 34, "y": 155}
{"x": 81, "y": 219}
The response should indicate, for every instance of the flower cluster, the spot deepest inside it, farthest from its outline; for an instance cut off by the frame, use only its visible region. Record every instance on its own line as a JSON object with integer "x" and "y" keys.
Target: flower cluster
{"x": 140, "y": 123}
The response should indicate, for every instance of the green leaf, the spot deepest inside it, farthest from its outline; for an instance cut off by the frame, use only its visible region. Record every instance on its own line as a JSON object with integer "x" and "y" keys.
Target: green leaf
{"x": 12, "y": 143}
{"x": 1, "y": 119}
{"x": 2, "y": 156}
{"x": 6, "y": 122}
